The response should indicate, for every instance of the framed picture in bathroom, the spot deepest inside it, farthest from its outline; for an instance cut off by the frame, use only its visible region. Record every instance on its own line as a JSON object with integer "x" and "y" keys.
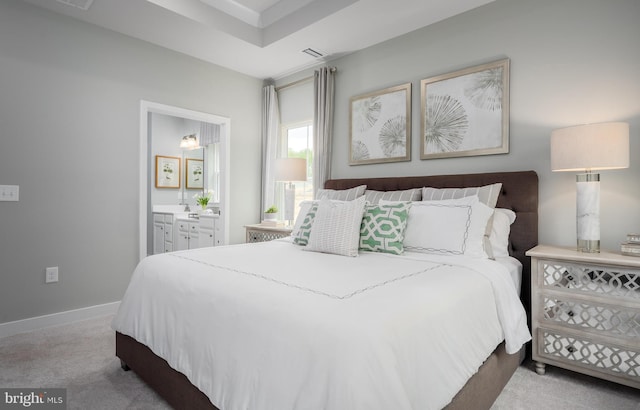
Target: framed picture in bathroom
{"x": 167, "y": 172}
{"x": 194, "y": 173}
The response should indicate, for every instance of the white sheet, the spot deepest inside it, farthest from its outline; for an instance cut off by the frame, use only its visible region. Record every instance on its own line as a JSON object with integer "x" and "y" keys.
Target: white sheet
{"x": 515, "y": 270}
{"x": 377, "y": 331}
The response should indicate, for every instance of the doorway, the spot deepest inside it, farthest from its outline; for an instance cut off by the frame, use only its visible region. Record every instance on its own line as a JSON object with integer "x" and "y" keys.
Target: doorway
{"x": 147, "y": 109}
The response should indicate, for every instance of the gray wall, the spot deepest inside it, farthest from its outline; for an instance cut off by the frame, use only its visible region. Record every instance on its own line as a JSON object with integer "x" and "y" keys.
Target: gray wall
{"x": 69, "y": 136}
{"x": 572, "y": 62}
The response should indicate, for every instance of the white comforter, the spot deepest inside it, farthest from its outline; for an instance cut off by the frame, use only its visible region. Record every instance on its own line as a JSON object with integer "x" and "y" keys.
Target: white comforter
{"x": 271, "y": 326}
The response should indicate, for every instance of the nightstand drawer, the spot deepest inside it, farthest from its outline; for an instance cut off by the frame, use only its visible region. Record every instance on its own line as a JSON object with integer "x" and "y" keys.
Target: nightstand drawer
{"x": 598, "y": 318}
{"x": 588, "y": 279}
{"x": 262, "y": 236}
{"x": 263, "y": 233}
{"x": 619, "y": 363}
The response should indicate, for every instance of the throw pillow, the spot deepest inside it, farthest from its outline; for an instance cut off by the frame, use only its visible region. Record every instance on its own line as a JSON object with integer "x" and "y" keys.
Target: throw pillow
{"x": 383, "y": 227}
{"x": 336, "y": 228}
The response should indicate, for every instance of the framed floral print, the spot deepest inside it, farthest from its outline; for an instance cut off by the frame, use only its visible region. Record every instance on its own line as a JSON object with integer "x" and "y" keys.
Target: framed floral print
{"x": 167, "y": 172}
{"x": 194, "y": 174}
{"x": 466, "y": 112}
{"x": 380, "y": 126}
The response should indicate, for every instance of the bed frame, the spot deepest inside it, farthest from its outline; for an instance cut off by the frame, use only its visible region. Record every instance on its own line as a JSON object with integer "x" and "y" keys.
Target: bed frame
{"x": 519, "y": 193}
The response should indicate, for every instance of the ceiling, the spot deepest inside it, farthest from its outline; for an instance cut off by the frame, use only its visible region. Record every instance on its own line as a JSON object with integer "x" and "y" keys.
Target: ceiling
{"x": 262, "y": 38}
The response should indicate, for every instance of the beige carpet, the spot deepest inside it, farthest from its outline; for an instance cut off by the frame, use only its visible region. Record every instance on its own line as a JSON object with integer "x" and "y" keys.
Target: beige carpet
{"x": 80, "y": 357}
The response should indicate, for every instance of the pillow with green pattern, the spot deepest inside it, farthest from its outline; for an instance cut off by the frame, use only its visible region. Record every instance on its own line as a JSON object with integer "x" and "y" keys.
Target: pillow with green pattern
{"x": 383, "y": 226}
{"x": 301, "y": 235}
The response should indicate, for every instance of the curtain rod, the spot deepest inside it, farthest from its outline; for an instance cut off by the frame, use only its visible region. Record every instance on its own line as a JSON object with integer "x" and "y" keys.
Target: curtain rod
{"x": 293, "y": 84}
{"x": 301, "y": 81}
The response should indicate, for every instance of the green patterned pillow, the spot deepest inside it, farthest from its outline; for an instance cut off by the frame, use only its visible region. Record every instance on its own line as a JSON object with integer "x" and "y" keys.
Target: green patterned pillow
{"x": 383, "y": 226}
{"x": 302, "y": 237}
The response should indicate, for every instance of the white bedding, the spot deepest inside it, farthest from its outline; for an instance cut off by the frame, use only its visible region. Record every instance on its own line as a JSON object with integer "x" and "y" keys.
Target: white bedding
{"x": 253, "y": 330}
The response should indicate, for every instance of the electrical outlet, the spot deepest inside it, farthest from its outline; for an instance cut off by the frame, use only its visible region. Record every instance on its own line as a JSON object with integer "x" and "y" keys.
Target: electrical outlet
{"x": 51, "y": 275}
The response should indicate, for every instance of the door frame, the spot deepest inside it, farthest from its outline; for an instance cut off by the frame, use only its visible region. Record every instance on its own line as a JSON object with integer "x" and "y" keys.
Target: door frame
{"x": 148, "y": 107}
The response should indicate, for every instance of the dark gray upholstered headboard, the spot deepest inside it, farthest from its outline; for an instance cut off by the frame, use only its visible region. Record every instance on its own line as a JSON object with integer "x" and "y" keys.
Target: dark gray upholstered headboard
{"x": 519, "y": 193}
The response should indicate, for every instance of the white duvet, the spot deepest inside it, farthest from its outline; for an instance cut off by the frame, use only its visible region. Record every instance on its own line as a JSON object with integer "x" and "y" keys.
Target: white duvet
{"x": 271, "y": 326}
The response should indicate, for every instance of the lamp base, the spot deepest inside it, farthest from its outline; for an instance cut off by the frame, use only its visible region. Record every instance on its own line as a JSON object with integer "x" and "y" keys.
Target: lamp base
{"x": 289, "y": 203}
{"x": 588, "y": 246}
{"x": 588, "y": 212}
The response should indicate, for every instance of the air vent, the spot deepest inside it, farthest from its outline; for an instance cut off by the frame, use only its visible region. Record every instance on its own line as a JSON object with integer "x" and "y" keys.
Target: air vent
{"x": 313, "y": 53}
{"x": 81, "y": 4}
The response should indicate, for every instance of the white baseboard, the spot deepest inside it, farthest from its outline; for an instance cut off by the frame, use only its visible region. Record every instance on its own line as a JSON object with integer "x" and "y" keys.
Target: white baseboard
{"x": 56, "y": 319}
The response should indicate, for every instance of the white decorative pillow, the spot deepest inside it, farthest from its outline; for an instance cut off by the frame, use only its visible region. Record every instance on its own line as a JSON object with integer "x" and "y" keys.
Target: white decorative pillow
{"x": 408, "y": 195}
{"x": 341, "y": 195}
{"x": 487, "y": 194}
{"x": 336, "y": 228}
{"x": 449, "y": 227}
{"x": 499, "y": 238}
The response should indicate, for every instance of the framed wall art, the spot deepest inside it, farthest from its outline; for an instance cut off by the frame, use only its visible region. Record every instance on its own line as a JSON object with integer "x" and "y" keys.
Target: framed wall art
{"x": 380, "y": 126}
{"x": 466, "y": 112}
{"x": 167, "y": 172}
{"x": 194, "y": 173}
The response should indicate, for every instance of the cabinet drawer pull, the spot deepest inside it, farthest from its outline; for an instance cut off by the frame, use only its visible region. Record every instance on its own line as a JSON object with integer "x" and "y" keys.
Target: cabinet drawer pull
{"x": 571, "y": 349}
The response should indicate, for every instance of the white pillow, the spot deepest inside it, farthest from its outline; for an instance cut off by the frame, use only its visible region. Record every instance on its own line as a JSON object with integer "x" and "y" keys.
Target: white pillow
{"x": 336, "y": 228}
{"x": 499, "y": 238}
{"x": 342, "y": 194}
{"x": 448, "y": 227}
{"x": 487, "y": 194}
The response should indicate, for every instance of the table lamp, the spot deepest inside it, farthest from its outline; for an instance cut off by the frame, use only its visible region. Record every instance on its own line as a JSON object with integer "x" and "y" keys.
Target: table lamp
{"x": 588, "y": 148}
{"x": 290, "y": 170}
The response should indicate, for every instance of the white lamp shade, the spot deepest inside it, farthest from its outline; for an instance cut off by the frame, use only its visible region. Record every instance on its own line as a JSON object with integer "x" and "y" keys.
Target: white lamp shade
{"x": 590, "y": 147}
{"x": 291, "y": 169}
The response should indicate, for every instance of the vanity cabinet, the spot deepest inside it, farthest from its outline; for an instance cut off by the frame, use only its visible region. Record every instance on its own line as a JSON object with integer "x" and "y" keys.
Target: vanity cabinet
{"x": 162, "y": 232}
{"x": 187, "y": 234}
{"x": 210, "y": 233}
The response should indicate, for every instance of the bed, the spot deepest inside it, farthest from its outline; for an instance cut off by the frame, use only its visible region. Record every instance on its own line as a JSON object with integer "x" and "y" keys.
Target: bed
{"x": 374, "y": 367}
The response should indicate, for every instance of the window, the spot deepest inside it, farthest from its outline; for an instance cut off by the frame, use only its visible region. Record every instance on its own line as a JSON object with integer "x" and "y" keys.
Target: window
{"x": 297, "y": 142}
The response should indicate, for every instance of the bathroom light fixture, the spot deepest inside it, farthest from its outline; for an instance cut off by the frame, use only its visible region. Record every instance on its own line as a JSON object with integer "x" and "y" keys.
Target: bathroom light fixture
{"x": 587, "y": 148}
{"x": 189, "y": 142}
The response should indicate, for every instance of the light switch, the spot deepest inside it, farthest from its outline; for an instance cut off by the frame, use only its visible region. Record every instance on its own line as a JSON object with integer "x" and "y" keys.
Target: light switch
{"x": 9, "y": 192}
{"x": 51, "y": 274}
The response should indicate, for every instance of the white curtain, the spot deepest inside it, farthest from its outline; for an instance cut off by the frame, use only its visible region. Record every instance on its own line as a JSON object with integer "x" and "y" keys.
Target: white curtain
{"x": 270, "y": 130}
{"x": 323, "y": 108}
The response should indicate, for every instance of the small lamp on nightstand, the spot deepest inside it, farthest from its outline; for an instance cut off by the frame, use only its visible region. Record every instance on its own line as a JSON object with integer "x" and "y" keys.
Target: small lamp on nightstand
{"x": 290, "y": 170}
{"x": 589, "y": 148}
